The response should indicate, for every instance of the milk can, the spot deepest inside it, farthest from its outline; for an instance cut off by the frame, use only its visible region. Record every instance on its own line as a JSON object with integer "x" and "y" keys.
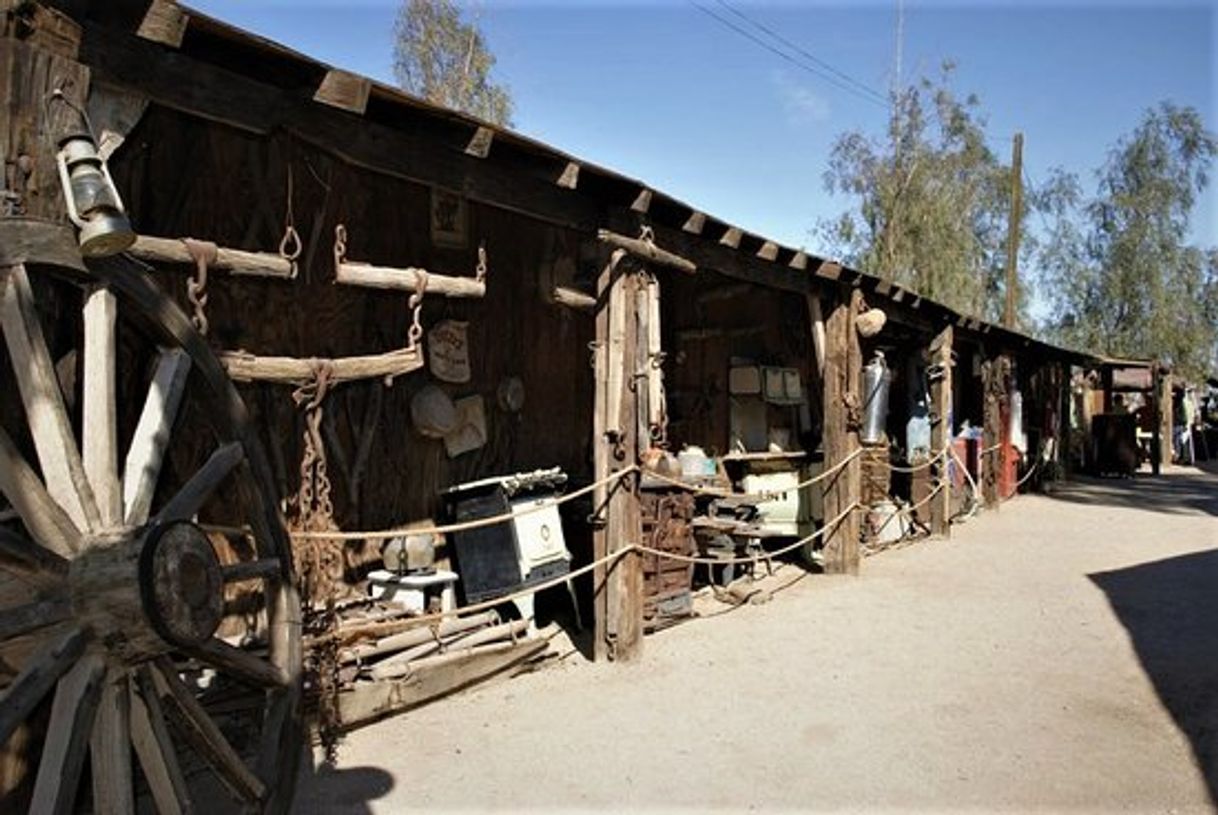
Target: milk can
{"x": 876, "y": 380}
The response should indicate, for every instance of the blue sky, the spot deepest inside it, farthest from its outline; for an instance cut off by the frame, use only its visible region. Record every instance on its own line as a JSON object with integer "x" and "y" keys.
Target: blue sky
{"x": 663, "y": 92}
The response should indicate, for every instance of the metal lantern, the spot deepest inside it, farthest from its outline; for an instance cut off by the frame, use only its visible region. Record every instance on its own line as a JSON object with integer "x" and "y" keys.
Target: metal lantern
{"x": 93, "y": 201}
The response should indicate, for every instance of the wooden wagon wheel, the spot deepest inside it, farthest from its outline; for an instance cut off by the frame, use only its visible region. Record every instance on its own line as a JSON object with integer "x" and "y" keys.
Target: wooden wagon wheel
{"x": 116, "y": 612}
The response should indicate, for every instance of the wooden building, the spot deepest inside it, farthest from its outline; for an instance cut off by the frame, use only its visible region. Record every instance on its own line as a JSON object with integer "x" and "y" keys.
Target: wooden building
{"x": 350, "y": 233}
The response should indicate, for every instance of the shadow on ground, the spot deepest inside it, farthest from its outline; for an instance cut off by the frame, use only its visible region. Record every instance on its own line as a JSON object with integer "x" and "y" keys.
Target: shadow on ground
{"x": 348, "y": 791}
{"x": 1170, "y": 609}
{"x": 1181, "y": 491}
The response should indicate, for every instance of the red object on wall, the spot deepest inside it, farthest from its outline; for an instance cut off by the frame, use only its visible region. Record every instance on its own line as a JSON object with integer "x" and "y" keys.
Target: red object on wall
{"x": 1008, "y": 473}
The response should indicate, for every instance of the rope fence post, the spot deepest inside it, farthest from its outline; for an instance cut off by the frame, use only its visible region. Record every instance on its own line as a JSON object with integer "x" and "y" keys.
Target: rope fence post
{"x": 939, "y": 372}
{"x": 843, "y": 369}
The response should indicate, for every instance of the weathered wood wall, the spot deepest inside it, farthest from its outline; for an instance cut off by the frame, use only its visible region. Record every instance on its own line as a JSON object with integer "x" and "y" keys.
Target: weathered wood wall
{"x": 708, "y": 320}
{"x": 182, "y": 176}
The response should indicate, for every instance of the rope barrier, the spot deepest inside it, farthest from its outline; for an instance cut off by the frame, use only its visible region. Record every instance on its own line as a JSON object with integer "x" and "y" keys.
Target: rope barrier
{"x": 1028, "y": 474}
{"x": 763, "y": 496}
{"x": 972, "y": 483}
{"x": 385, "y": 627}
{"x": 919, "y": 467}
{"x": 768, "y": 554}
{"x": 477, "y": 523}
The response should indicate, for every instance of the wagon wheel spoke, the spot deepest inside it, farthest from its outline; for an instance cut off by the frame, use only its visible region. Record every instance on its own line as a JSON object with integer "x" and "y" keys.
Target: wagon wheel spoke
{"x": 195, "y": 492}
{"x": 33, "y": 683}
{"x": 44, "y": 518}
{"x": 110, "y": 746}
{"x": 240, "y": 664}
{"x": 263, "y": 569}
{"x": 31, "y": 563}
{"x": 155, "y": 749}
{"x": 203, "y": 734}
{"x": 63, "y": 754}
{"x": 48, "y": 420}
{"x": 99, "y": 422}
{"x": 25, "y": 619}
{"x": 147, "y": 451}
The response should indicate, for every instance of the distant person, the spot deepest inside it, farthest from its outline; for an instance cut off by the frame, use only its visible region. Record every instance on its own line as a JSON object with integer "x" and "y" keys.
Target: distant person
{"x": 1118, "y": 405}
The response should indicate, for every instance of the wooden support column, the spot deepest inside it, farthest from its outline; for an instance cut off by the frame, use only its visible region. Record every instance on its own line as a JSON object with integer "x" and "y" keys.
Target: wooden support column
{"x": 618, "y": 586}
{"x": 994, "y": 375}
{"x": 843, "y": 372}
{"x": 1065, "y": 429}
{"x": 1165, "y": 428}
{"x": 939, "y": 370}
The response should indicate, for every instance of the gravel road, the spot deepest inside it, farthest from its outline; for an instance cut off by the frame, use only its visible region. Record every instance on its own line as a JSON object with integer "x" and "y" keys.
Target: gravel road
{"x": 1061, "y": 653}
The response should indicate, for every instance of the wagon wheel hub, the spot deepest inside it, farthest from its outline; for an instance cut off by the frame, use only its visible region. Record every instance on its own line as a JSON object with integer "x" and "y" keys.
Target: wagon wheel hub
{"x": 183, "y": 587}
{"x": 145, "y": 591}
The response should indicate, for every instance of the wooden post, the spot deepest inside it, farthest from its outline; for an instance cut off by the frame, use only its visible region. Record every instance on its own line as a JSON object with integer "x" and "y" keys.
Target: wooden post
{"x": 939, "y": 359}
{"x": 843, "y": 370}
{"x": 1156, "y": 420}
{"x": 993, "y": 378}
{"x": 1165, "y": 419}
{"x": 1008, "y": 314}
{"x": 617, "y": 587}
{"x": 1065, "y": 430}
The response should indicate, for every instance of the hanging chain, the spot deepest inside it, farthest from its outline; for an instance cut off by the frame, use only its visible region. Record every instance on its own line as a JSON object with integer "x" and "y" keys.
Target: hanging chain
{"x": 320, "y": 561}
{"x": 647, "y": 234}
{"x": 480, "y": 271}
{"x": 290, "y": 246}
{"x": 415, "y": 333}
{"x": 204, "y": 254}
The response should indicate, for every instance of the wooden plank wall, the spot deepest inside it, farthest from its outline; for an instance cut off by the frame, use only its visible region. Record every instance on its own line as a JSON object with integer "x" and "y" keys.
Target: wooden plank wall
{"x": 707, "y": 320}
{"x": 182, "y": 176}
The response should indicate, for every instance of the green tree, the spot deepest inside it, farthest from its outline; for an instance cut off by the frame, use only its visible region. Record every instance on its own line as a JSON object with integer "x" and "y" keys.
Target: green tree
{"x": 1120, "y": 274}
{"x": 440, "y": 57}
{"x": 932, "y": 200}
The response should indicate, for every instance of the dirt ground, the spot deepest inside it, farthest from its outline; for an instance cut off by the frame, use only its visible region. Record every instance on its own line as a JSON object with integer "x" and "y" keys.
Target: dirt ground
{"x": 1061, "y": 653}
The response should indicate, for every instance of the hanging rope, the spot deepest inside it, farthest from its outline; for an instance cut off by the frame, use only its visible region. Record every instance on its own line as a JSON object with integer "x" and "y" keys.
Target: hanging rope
{"x": 415, "y": 332}
{"x": 290, "y": 245}
{"x": 204, "y": 254}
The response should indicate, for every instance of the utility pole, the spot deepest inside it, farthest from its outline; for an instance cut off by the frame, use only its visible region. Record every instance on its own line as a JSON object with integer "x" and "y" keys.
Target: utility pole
{"x": 1008, "y": 316}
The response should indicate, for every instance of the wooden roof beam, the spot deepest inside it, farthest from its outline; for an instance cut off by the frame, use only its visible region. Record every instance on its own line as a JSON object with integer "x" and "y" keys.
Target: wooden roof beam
{"x": 179, "y": 82}
{"x": 165, "y": 22}
{"x": 480, "y": 143}
{"x": 344, "y": 90}
{"x": 642, "y": 202}
{"x": 569, "y": 178}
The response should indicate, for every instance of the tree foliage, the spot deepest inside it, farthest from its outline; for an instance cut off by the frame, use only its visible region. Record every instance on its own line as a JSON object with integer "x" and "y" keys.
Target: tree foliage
{"x": 932, "y": 200}
{"x": 1120, "y": 274}
{"x": 440, "y": 57}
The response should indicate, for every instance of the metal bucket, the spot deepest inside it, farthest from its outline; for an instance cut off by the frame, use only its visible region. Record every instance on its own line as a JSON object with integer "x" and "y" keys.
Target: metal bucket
{"x": 876, "y": 381}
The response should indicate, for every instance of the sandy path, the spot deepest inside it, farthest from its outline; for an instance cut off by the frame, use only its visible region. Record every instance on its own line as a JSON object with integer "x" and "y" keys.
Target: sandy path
{"x": 1040, "y": 659}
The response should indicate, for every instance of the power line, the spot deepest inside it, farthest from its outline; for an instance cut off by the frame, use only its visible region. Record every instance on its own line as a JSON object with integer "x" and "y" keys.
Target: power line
{"x": 804, "y": 52}
{"x": 797, "y": 63}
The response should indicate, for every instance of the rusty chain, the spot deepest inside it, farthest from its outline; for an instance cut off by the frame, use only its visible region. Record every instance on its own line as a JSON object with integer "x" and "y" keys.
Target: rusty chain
{"x": 415, "y": 332}
{"x": 480, "y": 270}
{"x": 321, "y": 565}
{"x": 204, "y": 254}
